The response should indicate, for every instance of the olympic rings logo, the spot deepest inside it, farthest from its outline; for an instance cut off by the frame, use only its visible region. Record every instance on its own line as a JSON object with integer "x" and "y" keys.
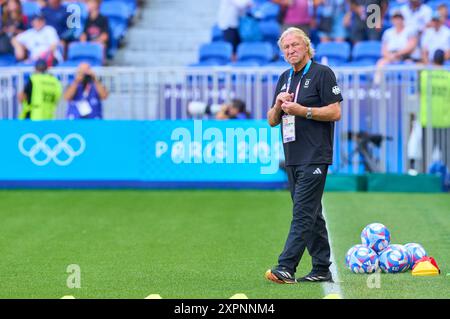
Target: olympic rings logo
{"x": 51, "y": 147}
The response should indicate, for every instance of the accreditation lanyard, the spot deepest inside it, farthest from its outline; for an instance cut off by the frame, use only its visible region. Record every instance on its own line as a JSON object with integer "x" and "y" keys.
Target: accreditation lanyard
{"x": 289, "y": 120}
{"x": 291, "y": 74}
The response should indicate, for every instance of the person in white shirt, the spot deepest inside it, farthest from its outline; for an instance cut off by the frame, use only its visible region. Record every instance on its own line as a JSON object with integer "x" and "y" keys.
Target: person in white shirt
{"x": 436, "y": 37}
{"x": 398, "y": 42}
{"x": 39, "y": 42}
{"x": 228, "y": 19}
{"x": 416, "y": 14}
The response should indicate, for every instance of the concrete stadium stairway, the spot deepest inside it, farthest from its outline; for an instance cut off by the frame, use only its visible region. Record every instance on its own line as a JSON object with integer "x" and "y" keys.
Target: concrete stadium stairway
{"x": 168, "y": 33}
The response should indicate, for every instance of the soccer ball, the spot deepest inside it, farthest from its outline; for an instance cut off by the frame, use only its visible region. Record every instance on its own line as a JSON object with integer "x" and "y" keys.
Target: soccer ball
{"x": 376, "y": 236}
{"x": 349, "y": 253}
{"x": 395, "y": 258}
{"x": 362, "y": 259}
{"x": 416, "y": 251}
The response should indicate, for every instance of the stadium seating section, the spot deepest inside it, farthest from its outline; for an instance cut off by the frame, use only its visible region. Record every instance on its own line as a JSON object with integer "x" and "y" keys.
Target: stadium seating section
{"x": 119, "y": 13}
{"x": 218, "y": 53}
{"x": 365, "y": 53}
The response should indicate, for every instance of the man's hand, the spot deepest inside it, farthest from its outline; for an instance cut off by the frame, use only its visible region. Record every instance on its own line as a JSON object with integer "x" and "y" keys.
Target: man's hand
{"x": 292, "y": 108}
{"x": 79, "y": 77}
{"x": 284, "y": 97}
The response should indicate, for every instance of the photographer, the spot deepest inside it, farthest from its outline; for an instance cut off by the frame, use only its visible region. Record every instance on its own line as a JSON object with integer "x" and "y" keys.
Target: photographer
{"x": 85, "y": 95}
{"x": 234, "y": 110}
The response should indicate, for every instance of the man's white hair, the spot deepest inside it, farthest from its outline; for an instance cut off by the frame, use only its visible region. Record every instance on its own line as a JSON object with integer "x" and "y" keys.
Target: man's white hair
{"x": 299, "y": 33}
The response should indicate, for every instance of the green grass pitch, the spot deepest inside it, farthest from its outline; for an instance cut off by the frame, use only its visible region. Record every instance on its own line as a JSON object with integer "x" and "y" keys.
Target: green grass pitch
{"x": 200, "y": 244}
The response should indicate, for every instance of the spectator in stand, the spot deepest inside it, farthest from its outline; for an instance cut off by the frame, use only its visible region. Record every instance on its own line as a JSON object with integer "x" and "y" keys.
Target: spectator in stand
{"x": 39, "y": 42}
{"x": 12, "y": 22}
{"x": 296, "y": 13}
{"x": 443, "y": 13}
{"x": 436, "y": 37}
{"x": 97, "y": 26}
{"x": 85, "y": 95}
{"x": 234, "y": 110}
{"x": 331, "y": 22}
{"x": 228, "y": 20}
{"x": 56, "y": 15}
{"x": 356, "y": 20}
{"x": 417, "y": 15}
{"x": 2, "y": 6}
{"x": 398, "y": 44}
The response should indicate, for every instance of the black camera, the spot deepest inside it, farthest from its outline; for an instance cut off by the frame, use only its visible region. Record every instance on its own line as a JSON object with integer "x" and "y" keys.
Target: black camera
{"x": 87, "y": 79}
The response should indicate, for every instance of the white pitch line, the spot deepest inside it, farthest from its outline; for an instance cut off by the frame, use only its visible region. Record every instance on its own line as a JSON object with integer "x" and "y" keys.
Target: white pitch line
{"x": 329, "y": 287}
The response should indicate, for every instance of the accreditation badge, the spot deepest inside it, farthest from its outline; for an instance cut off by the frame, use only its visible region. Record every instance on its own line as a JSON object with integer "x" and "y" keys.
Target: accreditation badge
{"x": 84, "y": 108}
{"x": 288, "y": 128}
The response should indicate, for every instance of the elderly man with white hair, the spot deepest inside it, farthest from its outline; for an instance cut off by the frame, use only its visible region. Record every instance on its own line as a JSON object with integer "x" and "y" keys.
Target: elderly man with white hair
{"x": 306, "y": 104}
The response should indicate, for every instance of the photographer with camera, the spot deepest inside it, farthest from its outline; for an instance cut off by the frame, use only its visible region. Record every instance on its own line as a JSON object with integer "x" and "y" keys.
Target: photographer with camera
{"x": 85, "y": 95}
{"x": 234, "y": 110}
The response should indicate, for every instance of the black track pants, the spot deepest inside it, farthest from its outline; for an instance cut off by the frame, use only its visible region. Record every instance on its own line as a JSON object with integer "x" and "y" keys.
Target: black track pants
{"x": 308, "y": 229}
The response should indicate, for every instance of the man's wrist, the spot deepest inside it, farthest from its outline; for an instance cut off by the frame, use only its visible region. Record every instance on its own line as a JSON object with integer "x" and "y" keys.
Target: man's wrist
{"x": 302, "y": 111}
{"x": 308, "y": 113}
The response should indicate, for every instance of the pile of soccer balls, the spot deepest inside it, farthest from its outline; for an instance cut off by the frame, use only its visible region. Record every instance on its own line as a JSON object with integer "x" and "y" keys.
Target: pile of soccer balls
{"x": 376, "y": 253}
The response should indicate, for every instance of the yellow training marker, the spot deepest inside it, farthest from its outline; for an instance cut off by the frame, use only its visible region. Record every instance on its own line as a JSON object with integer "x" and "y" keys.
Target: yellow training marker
{"x": 425, "y": 268}
{"x": 67, "y": 297}
{"x": 239, "y": 296}
{"x": 153, "y": 296}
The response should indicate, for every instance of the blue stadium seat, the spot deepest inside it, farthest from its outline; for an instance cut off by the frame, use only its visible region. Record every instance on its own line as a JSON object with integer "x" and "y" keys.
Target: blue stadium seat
{"x": 270, "y": 30}
{"x": 337, "y": 53}
{"x": 433, "y": 4}
{"x": 116, "y": 9}
{"x": 266, "y": 11}
{"x": 30, "y": 8}
{"x": 86, "y": 51}
{"x": 216, "y": 34}
{"x": 215, "y": 53}
{"x": 118, "y": 14}
{"x": 367, "y": 51}
{"x": 280, "y": 63}
{"x": 260, "y": 52}
{"x": 7, "y": 60}
{"x": 245, "y": 64}
{"x": 394, "y": 5}
{"x": 131, "y": 4}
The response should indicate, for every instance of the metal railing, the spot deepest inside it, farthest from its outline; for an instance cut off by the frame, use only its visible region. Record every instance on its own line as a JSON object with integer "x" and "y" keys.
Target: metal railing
{"x": 371, "y": 136}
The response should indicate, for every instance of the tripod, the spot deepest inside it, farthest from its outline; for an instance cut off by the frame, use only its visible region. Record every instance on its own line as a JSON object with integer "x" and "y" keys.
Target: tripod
{"x": 363, "y": 141}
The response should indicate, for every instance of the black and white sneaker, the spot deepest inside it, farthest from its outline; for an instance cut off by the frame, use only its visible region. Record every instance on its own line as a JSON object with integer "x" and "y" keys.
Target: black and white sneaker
{"x": 314, "y": 276}
{"x": 280, "y": 275}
